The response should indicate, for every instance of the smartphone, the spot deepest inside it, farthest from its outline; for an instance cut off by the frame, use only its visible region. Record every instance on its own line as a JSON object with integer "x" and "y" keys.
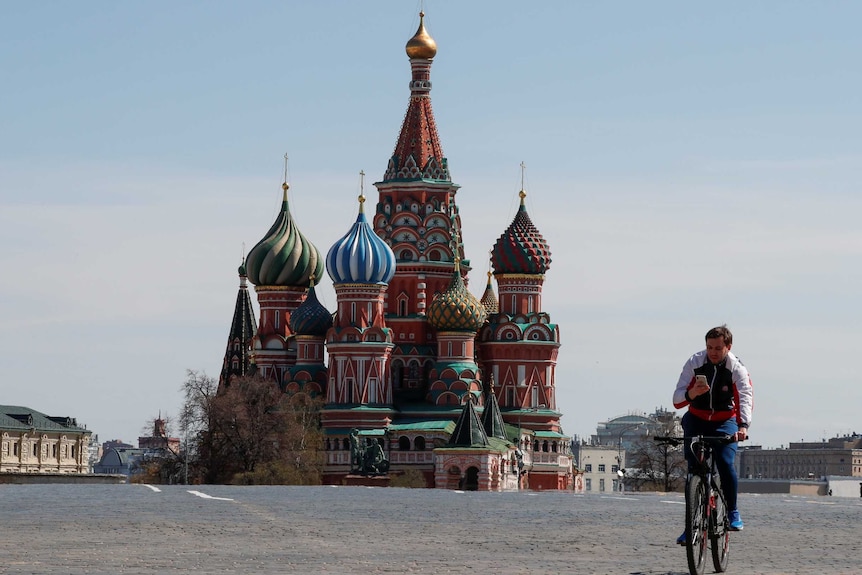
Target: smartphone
{"x": 701, "y": 379}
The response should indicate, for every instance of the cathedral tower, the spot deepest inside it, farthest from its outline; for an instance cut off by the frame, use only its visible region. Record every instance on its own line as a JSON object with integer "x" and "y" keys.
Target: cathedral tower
{"x": 280, "y": 266}
{"x": 417, "y": 216}
{"x": 359, "y": 390}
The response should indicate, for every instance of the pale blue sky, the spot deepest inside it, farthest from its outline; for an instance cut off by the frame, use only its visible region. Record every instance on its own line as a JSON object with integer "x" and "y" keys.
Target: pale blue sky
{"x": 690, "y": 165}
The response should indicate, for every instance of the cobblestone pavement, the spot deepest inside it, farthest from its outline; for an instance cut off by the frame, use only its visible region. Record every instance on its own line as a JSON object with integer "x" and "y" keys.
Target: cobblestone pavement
{"x": 136, "y": 529}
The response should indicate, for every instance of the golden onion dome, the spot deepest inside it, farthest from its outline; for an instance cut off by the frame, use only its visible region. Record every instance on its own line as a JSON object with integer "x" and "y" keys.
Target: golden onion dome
{"x": 421, "y": 45}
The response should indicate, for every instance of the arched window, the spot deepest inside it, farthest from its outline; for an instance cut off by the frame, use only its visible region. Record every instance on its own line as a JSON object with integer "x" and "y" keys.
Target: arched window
{"x": 403, "y": 443}
{"x": 419, "y": 442}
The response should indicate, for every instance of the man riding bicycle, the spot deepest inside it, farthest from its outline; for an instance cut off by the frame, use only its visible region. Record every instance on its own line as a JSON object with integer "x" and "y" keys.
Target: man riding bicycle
{"x": 717, "y": 389}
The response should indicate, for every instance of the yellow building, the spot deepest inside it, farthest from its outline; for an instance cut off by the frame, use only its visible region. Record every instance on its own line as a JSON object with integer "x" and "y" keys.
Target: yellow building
{"x": 32, "y": 442}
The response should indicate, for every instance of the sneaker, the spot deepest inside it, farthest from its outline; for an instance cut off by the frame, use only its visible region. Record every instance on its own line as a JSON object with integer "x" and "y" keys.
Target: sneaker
{"x": 681, "y": 539}
{"x": 735, "y": 521}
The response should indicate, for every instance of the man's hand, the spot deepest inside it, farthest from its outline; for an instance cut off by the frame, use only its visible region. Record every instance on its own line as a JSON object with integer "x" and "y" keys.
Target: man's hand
{"x": 699, "y": 388}
{"x": 742, "y": 434}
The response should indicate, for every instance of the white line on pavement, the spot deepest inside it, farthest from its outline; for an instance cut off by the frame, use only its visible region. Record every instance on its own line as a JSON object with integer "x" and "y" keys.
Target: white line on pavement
{"x": 154, "y": 488}
{"x": 205, "y": 496}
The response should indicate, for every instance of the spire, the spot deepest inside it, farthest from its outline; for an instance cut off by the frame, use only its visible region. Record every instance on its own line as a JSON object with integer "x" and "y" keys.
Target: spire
{"x": 237, "y": 356}
{"x": 468, "y": 430}
{"x": 489, "y": 299}
{"x": 492, "y": 419}
{"x": 418, "y": 154}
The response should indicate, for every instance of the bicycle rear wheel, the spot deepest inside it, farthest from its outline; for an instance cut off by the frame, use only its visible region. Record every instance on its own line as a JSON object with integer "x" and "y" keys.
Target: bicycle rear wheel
{"x": 696, "y": 504}
{"x": 719, "y": 531}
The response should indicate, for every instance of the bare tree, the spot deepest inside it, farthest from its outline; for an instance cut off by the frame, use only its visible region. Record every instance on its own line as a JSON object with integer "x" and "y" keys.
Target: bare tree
{"x": 659, "y": 466}
{"x": 250, "y": 432}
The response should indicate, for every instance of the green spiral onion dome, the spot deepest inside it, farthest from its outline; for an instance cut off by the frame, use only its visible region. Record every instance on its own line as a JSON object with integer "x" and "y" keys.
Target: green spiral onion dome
{"x": 284, "y": 257}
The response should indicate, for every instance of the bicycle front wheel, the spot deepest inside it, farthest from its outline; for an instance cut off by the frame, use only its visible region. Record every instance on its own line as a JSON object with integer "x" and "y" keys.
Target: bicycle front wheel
{"x": 696, "y": 505}
{"x": 719, "y": 532}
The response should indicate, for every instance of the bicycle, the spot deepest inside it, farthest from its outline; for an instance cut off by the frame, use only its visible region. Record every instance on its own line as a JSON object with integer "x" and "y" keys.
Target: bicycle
{"x": 706, "y": 514}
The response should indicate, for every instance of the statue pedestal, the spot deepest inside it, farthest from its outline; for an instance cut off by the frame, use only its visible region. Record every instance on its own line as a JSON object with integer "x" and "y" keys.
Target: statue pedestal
{"x": 366, "y": 480}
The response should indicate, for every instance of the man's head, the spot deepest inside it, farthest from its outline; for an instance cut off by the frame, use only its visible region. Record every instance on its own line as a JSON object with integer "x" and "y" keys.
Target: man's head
{"x": 718, "y": 343}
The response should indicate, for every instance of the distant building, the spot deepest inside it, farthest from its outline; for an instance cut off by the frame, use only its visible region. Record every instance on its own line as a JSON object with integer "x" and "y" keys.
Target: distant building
{"x": 159, "y": 440}
{"x": 626, "y": 431}
{"x": 597, "y": 467}
{"x": 33, "y": 442}
{"x": 94, "y": 452}
{"x": 839, "y": 456}
{"x": 120, "y": 461}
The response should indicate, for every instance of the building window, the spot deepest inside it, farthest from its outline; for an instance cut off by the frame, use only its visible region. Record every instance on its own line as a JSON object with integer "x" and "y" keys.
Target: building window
{"x": 601, "y": 467}
{"x": 14, "y": 449}
{"x": 601, "y": 484}
{"x": 588, "y": 484}
{"x": 419, "y": 442}
{"x": 615, "y": 468}
{"x": 588, "y": 468}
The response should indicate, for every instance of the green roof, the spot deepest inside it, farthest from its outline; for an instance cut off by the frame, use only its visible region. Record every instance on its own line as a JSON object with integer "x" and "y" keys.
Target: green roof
{"x": 550, "y": 435}
{"x": 18, "y": 418}
{"x": 426, "y": 425}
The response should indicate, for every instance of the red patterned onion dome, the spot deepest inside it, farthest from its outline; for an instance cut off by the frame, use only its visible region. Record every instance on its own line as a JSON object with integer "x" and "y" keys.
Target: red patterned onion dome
{"x": 284, "y": 257}
{"x": 456, "y": 309}
{"x": 521, "y": 249}
{"x": 311, "y": 318}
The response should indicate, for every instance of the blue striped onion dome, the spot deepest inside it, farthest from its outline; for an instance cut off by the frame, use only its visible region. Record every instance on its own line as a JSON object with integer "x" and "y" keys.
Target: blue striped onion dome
{"x": 521, "y": 249}
{"x": 284, "y": 257}
{"x": 360, "y": 257}
{"x": 311, "y": 318}
{"x": 456, "y": 309}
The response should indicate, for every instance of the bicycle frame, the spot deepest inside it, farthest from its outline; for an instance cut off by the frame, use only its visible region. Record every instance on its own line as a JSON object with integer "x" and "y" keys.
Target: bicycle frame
{"x": 705, "y": 506}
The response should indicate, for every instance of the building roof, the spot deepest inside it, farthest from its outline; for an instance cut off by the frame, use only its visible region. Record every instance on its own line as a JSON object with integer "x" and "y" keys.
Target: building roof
{"x": 19, "y": 418}
{"x": 468, "y": 429}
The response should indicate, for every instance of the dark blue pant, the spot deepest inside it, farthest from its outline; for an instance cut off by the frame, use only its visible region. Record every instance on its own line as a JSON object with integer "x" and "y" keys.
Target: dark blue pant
{"x": 725, "y": 455}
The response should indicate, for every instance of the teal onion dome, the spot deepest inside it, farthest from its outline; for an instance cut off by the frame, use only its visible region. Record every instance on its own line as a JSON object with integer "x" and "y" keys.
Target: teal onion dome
{"x": 360, "y": 257}
{"x": 284, "y": 257}
{"x": 521, "y": 249}
{"x": 311, "y": 318}
{"x": 456, "y": 309}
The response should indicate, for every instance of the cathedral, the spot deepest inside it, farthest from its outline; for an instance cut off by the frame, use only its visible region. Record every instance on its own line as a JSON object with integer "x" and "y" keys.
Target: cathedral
{"x": 458, "y": 388}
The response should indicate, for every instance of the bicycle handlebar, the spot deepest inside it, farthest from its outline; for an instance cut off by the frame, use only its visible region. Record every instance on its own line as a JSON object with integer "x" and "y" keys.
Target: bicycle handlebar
{"x": 714, "y": 439}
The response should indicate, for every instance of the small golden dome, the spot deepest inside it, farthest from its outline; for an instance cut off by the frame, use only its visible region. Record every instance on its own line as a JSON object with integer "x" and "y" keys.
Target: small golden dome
{"x": 421, "y": 45}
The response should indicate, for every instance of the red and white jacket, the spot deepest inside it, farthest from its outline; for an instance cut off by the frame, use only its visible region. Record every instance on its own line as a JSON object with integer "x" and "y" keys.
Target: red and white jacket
{"x": 730, "y": 392}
